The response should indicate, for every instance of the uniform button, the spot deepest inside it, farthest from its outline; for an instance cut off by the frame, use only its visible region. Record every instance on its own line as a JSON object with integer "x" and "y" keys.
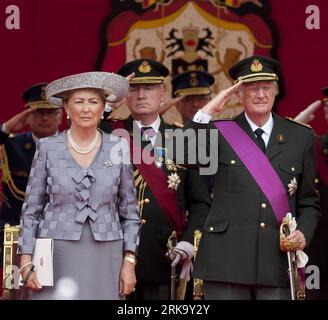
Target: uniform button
{"x": 232, "y": 161}
{"x": 143, "y": 221}
{"x": 147, "y": 201}
{"x": 316, "y": 180}
{"x": 293, "y": 169}
{"x": 211, "y": 228}
{"x": 262, "y": 225}
{"x": 263, "y": 205}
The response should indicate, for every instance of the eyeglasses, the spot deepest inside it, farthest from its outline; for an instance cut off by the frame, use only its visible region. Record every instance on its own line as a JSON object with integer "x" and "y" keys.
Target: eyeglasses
{"x": 254, "y": 90}
{"x": 46, "y": 112}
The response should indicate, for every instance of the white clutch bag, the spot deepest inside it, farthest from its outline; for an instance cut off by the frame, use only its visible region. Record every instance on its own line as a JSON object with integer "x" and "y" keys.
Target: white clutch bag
{"x": 43, "y": 261}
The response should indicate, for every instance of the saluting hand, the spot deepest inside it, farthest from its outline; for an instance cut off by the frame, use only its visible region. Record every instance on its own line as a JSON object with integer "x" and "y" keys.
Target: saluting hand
{"x": 219, "y": 101}
{"x": 19, "y": 121}
{"x": 168, "y": 103}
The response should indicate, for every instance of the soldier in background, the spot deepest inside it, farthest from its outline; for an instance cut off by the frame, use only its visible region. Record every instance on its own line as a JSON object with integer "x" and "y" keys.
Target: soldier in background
{"x": 195, "y": 88}
{"x": 17, "y": 151}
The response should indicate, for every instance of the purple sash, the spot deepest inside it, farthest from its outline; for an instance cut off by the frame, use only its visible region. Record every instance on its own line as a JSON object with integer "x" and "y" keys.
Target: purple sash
{"x": 258, "y": 165}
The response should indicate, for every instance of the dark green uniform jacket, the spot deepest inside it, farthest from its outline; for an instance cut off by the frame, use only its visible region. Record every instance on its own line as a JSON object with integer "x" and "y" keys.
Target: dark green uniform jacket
{"x": 18, "y": 151}
{"x": 240, "y": 240}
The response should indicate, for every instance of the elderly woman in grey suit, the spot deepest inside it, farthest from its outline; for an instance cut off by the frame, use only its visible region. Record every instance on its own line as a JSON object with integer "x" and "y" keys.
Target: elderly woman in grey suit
{"x": 81, "y": 194}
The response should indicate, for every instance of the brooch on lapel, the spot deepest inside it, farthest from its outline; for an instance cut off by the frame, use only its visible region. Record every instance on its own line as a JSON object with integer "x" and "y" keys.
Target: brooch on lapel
{"x": 108, "y": 163}
{"x": 292, "y": 186}
{"x": 173, "y": 181}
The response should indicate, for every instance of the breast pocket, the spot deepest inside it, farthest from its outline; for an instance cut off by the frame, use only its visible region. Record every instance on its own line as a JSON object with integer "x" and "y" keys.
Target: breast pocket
{"x": 216, "y": 224}
{"x": 231, "y": 175}
{"x": 289, "y": 170}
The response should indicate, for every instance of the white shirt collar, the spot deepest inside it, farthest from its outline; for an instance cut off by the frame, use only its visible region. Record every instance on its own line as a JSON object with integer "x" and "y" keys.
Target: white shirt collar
{"x": 35, "y": 138}
{"x": 155, "y": 125}
{"x": 267, "y": 127}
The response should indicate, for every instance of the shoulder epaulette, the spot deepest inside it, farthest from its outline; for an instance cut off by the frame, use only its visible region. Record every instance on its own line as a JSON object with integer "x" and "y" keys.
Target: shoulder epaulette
{"x": 178, "y": 124}
{"x": 223, "y": 118}
{"x": 298, "y": 122}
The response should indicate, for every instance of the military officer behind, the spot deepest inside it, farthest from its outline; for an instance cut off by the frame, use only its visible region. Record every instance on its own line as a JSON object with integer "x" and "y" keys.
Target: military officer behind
{"x": 239, "y": 255}
{"x": 17, "y": 150}
{"x": 165, "y": 191}
{"x": 195, "y": 88}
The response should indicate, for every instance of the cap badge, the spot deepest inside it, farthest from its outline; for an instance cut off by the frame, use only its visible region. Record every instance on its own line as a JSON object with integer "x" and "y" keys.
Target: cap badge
{"x": 256, "y": 66}
{"x": 43, "y": 93}
{"x": 193, "y": 80}
{"x": 144, "y": 67}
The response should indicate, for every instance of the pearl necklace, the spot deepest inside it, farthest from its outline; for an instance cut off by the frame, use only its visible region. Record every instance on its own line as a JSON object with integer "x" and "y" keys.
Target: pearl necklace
{"x": 82, "y": 150}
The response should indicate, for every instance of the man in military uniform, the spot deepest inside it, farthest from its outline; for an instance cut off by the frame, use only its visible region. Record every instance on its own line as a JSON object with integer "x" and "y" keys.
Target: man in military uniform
{"x": 195, "y": 88}
{"x": 265, "y": 168}
{"x": 17, "y": 150}
{"x": 166, "y": 192}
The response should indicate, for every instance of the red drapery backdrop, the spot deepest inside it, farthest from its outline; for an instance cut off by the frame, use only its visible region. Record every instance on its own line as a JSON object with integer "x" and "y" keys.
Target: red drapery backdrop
{"x": 61, "y": 37}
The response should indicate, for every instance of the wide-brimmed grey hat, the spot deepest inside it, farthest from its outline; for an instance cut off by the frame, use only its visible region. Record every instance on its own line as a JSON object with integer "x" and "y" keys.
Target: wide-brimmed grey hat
{"x": 113, "y": 85}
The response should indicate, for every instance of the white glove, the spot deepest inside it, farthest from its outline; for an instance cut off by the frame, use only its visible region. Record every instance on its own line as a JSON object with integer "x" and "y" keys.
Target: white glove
{"x": 301, "y": 257}
{"x": 183, "y": 253}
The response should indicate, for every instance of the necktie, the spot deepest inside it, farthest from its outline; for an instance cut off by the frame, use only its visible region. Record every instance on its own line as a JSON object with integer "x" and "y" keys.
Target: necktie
{"x": 258, "y": 132}
{"x": 146, "y": 134}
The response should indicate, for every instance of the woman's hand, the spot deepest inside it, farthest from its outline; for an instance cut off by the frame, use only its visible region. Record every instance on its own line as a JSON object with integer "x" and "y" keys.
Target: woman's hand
{"x": 128, "y": 278}
{"x": 28, "y": 274}
{"x": 219, "y": 101}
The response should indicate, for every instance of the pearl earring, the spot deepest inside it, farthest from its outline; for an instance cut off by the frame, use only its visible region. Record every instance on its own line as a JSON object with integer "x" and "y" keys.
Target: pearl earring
{"x": 67, "y": 117}
{"x": 102, "y": 117}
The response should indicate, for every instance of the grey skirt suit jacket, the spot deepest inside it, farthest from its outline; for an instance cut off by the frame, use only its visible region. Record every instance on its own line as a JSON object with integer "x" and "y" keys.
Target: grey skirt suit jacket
{"x": 61, "y": 195}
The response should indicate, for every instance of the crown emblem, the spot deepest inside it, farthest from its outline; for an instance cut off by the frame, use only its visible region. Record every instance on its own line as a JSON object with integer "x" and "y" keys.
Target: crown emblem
{"x": 191, "y": 30}
{"x": 256, "y": 66}
{"x": 144, "y": 67}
